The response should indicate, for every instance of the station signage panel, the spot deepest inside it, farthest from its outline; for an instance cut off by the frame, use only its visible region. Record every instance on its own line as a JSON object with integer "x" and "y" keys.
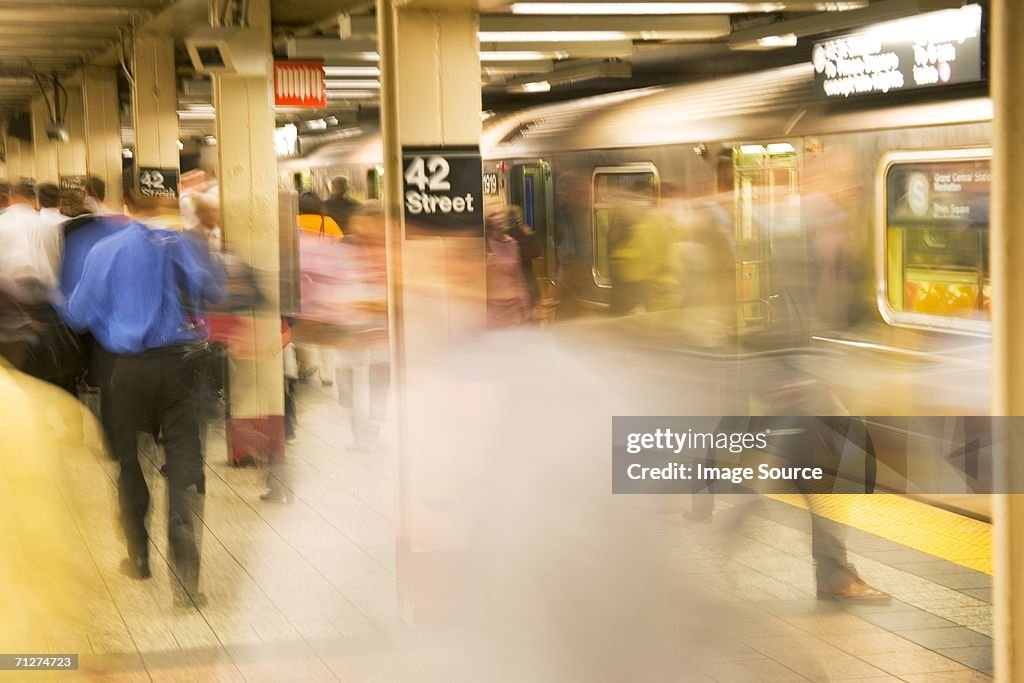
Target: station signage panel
{"x": 73, "y": 184}
{"x": 300, "y": 84}
{"x": 158, "y": 182}
{"x": 930, "y": 50}
{"x": 934, "y": 193}
{"x": 442, "y": 190}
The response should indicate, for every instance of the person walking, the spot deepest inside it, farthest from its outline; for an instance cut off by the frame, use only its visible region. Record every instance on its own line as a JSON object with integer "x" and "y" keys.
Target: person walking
{"x": 138, "y": 296}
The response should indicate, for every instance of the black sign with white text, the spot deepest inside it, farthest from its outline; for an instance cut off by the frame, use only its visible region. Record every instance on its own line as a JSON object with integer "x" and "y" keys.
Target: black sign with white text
{"x": 158, "y": 182}
{"x": 929, "y": 50}
{"x": 442, "y": 191}
{"x": 74, "y": 184}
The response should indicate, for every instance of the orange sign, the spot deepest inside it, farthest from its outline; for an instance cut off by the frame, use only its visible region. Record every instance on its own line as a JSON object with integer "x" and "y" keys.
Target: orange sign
{"x": 299, "y": 84}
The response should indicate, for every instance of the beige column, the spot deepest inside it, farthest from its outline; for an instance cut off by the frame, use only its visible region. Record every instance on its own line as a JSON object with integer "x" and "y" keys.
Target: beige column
{"x": 155, "y": 102}
{"x": 430, "y": 96}
{"x": 1007, "y": 257}
{"x": 102, "y": 124}
{"x": 71, "y": 155}
{"x": 44, "y": 149}
{"x": 20, "y": 159}
{"x": 249, "y": 220}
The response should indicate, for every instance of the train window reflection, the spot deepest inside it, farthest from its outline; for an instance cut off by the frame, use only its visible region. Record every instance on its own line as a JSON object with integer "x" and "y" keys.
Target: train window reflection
{"x": 621, "y": 193}
{"x": 936, "y": 241}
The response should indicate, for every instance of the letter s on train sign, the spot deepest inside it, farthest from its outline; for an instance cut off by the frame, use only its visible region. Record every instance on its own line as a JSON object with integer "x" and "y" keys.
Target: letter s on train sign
{"x": 442, "y": 191}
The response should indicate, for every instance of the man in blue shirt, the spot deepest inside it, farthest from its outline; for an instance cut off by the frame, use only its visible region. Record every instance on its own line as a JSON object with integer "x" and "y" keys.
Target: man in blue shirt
{"x": 140, "y": 295}
{"x": 83, "y": 230}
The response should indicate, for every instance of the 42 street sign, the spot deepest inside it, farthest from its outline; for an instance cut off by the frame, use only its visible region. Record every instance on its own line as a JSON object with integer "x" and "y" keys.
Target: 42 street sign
{"x": 442, "y": 191}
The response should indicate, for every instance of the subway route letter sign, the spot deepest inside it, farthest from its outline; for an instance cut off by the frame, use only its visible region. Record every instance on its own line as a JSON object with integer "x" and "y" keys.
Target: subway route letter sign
{"x": 442, "y": 191}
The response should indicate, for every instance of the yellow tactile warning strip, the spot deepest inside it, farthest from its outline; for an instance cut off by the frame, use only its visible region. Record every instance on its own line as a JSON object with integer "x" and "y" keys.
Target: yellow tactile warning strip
{"x": 944, "y": 534}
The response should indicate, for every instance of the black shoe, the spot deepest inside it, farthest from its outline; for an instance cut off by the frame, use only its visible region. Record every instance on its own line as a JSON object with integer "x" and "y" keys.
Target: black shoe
{"x": 136, "y": 567}
{"x": 198, "y": 601}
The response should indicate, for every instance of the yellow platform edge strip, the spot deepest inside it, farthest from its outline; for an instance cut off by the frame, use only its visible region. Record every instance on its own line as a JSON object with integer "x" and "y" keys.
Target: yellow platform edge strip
{"x": 961, "y": 540}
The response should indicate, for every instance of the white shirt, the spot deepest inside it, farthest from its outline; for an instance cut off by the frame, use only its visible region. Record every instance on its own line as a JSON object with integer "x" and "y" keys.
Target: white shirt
{"x": 30, "y": 244}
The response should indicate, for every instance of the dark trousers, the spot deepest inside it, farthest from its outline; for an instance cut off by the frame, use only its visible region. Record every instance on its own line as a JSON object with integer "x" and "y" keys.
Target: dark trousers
{"x": 101, "y": 369}
{"x": 156, "y": 389}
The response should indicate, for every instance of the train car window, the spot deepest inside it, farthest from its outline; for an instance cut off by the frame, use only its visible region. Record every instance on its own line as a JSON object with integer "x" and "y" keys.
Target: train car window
{"x": 619, "y": 194}
{"x": 935, "y": 240}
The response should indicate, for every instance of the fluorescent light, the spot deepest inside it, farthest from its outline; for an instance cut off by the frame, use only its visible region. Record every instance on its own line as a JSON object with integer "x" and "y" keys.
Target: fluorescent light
{"x": 351, "y": 94}
{"x": 536, "y": 86}
{"x": 590, "y": 8}
{"x": 196, "y": 115}
{"x": 526, "y": 56}
{"x": 781, "y": 148}
{"x": 356, "y": 84}
{"x": 351, "y": 71}
{"x": 785, "y": 40}
{"x": 549, "y": 36}
{"x": 316, "y": 124}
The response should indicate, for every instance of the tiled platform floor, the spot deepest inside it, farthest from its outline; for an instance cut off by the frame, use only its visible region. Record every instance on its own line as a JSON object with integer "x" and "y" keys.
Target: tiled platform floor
{"x": 306, "y": 591}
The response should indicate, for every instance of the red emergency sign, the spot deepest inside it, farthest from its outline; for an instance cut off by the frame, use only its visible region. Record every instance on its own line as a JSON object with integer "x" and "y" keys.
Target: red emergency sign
{"x": 300, "y": 84}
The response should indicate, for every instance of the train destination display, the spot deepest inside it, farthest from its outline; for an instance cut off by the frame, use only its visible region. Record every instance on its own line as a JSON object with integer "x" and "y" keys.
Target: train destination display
{"x": 931, "y": 50}
{"x": 937, "y": 192}
{"x": 443, "y": 191}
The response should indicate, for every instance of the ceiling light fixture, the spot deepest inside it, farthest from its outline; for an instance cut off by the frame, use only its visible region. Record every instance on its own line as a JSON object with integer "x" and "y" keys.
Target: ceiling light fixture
{"x": 354, "y": 71}
{"x": 767, "y": 36}
{"x": 592, "y": 8}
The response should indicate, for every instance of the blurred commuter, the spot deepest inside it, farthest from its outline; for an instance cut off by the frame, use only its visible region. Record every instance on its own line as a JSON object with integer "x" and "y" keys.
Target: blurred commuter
{"x": 207, "y": 221}
{"x": 508, "y": 300}
{"x": 49, "y": 203}
{"x": 530, "y": 247}
{"x": 29, "y": 248}
{"x": 5, "y": 195}
{"x": 341, "y": 205}
{"x": 192, "y": 185}
{"x": 572, "y": 209}
{"x": 628, "y": 264}
{"x": 96, "y": 196}
{"x": 81, "y": 232}
{"x": 29, "y": 255}
{"x": 313, "y": 221}
{"x": 364, "y": 376}
{"x": 49, "y": 447}
{"x": 138, "y": 294}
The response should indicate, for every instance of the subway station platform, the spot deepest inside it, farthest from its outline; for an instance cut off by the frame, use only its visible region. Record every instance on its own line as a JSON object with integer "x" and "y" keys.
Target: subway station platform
{"x": 306, "y": 591}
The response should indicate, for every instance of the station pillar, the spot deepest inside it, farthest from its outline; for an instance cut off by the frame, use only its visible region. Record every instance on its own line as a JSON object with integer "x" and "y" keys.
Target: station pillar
{"x": 249, "y": 220}
{"x": 21, "y": 163}
{"x": 102, "y": 130}
{"x": 72, "y": 160}
{"x": 430, "y": 99}
{"x": 155, "y": 106}
{"x": 1007, "y": 258}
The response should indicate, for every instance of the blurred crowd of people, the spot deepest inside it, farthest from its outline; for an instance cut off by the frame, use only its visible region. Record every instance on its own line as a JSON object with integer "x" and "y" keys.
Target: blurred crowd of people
{"x": 135, "y": 312}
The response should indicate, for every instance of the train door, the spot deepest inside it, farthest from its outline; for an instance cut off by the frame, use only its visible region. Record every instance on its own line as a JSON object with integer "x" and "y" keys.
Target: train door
{"x": 530, "y": 188}
{"x": 767, "y": 220}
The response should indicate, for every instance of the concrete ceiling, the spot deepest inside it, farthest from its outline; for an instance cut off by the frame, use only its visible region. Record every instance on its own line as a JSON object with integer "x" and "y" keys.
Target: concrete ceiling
{"x": 57, "y": 37}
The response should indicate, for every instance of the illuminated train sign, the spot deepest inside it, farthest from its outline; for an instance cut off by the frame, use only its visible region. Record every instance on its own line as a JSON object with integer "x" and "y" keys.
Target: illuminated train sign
{"x": 930, "y": 50}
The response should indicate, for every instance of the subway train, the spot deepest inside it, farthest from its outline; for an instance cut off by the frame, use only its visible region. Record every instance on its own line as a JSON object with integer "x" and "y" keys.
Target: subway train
{"x": 862, "y": 223}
